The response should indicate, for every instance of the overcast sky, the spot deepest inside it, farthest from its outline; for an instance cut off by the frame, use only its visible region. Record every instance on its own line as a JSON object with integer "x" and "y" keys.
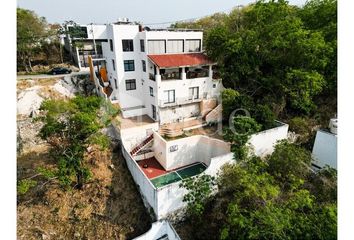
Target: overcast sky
{"x": 145, "y": 11}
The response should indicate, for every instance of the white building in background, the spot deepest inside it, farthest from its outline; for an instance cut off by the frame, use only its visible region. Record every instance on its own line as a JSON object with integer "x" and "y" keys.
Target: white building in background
{"x": 168, "y": 91}
{"x": 89, "y": 42}
{"x": 324, "y": 150}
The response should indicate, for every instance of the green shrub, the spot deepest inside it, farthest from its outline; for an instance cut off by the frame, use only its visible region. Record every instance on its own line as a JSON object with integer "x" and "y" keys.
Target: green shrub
{"x": 264, "y": 115}
{"x": 100, "y": 139}
{"x": 24, "y": 185}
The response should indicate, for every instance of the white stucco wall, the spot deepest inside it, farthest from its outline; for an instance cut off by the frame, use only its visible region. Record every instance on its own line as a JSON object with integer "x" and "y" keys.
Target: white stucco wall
{"x": 131, "y": 137}
{"x": 159, "y": 229}
{"x": 145, "y": 187}
{"x": 192, "y": 149}
{"x": 263, "y": 142}
{"x": 325, "y": 149}
{"x": 169, "y": 114}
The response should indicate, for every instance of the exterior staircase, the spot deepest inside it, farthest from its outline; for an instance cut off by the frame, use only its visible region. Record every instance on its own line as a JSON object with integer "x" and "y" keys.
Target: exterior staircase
{"x": 142, "y": 145}
{"x": 170, "y": 132}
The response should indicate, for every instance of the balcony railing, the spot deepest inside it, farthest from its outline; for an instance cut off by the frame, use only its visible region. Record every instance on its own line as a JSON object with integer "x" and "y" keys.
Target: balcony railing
{"x": 169, "y": 76}
{"x": 181, "y": 101}
{"x": 198, "y": 74}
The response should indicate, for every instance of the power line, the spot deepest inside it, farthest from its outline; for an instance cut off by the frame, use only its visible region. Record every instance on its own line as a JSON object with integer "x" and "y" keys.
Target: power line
{"x": 190, "y": 19}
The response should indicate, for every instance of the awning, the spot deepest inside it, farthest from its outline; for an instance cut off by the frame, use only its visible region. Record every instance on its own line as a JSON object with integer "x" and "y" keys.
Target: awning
{"x": 180, "y": 60}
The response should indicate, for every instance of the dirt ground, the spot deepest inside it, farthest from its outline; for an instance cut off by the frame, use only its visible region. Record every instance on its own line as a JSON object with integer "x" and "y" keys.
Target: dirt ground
{"x": 108, "y": 207}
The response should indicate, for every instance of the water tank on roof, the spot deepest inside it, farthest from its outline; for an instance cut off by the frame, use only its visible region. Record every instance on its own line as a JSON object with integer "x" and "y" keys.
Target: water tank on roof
{"x": 333, "y": 125}
{"x": 122, "y": 20}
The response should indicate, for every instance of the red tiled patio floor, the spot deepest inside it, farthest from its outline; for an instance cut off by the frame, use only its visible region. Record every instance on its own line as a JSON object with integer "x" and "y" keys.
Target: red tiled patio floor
{"x": 154, "y": 168}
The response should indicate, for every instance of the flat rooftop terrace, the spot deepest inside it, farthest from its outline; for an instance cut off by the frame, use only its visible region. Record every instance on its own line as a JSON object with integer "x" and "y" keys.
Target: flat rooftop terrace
{"x": 131, "y": 122}
{"x": 160, "y": 177}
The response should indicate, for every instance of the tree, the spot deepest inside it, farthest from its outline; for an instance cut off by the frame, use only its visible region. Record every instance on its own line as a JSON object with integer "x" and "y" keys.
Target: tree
{"x": 289, "y": 163}
{"x": 239, "y": 133}
{"x": 31, "y": 31}
{"x": 69, "y": 127}
{"x": 199, "y": 189}
{"x": 272, "y": 57}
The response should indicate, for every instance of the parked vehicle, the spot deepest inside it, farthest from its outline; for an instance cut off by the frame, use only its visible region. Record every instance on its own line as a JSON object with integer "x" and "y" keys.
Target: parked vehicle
{"x": 60, "y": 70}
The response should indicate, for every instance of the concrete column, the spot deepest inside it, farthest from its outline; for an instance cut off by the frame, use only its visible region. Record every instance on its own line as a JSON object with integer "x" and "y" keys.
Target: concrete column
{"x": 210, "y": 72}
{"x": 183, "y": 73}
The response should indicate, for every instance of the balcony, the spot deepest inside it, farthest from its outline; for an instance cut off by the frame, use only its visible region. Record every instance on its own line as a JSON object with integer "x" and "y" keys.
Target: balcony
{"x": 181, "y": 101}
{"x": 171, "y": 76}
{"x": 198, "y": 73}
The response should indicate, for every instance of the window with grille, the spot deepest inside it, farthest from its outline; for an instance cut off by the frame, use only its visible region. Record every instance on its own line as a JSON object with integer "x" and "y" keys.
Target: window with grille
{"x": 129, "y": 65}
{"x": 127, "y": 45}
{"x": 169, "y": 96}
{"x": 130, "y": 84}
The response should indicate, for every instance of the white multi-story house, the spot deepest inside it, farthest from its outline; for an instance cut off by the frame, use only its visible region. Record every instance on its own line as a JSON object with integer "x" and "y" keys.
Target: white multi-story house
{"x": 166, "y": 89}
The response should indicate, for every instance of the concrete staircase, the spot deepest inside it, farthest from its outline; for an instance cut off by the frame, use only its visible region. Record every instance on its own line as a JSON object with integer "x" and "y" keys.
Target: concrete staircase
{"x": 170, "y": 132}
{"x": 144, "y": 143}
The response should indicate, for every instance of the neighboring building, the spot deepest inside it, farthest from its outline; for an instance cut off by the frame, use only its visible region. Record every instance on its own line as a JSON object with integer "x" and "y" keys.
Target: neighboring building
{"x": 80, "y": 47}
{"x": 160, "y": 230}
{"x": 325, "y": 147}
{"x": 167, "y": 91}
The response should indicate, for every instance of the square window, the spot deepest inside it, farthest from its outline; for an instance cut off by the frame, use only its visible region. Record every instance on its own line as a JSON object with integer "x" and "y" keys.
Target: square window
{"x": 129, "y": 65}
{"x": 128, "y": 45}
{"x": 144, "y": 65}
{"x": 130, "y": 84}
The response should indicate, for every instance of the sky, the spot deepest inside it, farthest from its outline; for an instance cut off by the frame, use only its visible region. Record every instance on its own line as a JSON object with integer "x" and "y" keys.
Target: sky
{"x": 145, "y": 11}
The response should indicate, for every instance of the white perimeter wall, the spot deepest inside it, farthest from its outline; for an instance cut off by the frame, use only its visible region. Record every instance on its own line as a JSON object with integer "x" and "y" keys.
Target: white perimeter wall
{"x": 131, "y": 137}
{"x": 159, "y": 229}
{"x": 325, "y": 149}
{"x": 169, "y": 114}
{"x": 192, "y": 149}
{"x": 263, "y": 142}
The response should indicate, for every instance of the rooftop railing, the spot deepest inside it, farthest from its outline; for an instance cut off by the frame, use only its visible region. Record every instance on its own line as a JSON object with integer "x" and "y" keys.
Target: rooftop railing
{"x": 181, "y": 101}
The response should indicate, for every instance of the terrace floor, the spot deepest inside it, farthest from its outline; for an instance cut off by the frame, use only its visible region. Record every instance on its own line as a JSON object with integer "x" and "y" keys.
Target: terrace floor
{"x": 160, "y": 177}
{"x": 138, "y": 121}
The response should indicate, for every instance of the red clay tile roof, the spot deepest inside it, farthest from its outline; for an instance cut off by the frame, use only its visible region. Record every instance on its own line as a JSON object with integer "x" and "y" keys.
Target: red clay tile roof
{"x": 180, "y": 60}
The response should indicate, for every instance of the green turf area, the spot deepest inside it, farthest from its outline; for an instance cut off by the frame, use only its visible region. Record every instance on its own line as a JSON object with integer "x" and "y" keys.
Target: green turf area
{"x": 192, "y": 170}
{"x": 165, "y": 179}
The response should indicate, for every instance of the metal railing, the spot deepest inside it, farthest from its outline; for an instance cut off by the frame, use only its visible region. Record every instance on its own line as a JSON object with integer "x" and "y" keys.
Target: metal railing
{"x": 170, "y": 76}
{"x": 181, "y": 101}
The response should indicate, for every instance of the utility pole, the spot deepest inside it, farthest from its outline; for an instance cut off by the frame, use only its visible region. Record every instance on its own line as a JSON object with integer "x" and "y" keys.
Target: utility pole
{"x": 93, "y": 37}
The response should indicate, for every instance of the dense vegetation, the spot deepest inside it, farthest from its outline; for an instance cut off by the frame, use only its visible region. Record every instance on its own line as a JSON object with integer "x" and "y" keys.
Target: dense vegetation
{"x": 70, "y": 127}
{"x": 276, "y": 198}
{"x": 281, "y": 55}
{"x": 277, "y": 61}
{"x": 38, "y": 42}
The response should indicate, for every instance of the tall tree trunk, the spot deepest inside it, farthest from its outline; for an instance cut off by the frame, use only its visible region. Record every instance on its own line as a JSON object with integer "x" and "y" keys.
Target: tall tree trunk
{"x": 30, "y": 64}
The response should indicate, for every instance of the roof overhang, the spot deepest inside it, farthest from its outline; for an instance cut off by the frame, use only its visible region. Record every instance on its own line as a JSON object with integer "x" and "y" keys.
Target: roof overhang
{"x": 180, "y": 60}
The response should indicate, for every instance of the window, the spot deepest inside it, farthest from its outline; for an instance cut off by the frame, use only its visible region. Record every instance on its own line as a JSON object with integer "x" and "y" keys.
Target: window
{"x": 128, "y": 45}
{"x": 193, "y": 93}
{"x": 156, "y": 46}
{"x": 130, "y": 84}
{"x": 175, "y": 46}
{"x": 115, "y": 83}
{"x": 129, "y": 65}
{"x": 192, "y": 45}
{"x": 142, "y": 45}
{"x": 170, "y": 96}
{"x": 153, "y": 108}
{"x": 114, "y": 65}
{"x": 144, "y": 65}
{"x": 214, "y": 85}
{"x": 151, "y": 92}
{"x": 111, "y": 44}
